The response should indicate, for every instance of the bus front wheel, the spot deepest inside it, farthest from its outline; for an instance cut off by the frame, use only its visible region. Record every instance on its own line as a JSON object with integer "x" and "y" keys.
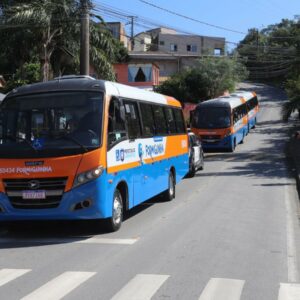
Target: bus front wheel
{"x": 115, "y": 221}
{"x": 233, "y": 145}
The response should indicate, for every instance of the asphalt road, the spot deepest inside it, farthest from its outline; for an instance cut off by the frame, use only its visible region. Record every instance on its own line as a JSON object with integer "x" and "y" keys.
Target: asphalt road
{"x": 231, "y": 233}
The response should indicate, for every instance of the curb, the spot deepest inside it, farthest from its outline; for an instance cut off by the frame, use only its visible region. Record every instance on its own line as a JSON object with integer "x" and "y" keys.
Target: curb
{"x": 294, "y": 154}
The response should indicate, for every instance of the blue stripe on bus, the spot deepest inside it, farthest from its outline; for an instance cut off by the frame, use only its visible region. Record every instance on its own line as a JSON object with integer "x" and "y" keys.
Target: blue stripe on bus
{"x": 227, "y": 142}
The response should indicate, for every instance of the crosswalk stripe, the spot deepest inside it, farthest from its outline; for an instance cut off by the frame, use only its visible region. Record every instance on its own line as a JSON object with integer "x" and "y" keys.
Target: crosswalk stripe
{"x": 222, "y": 289}
{"x": 141, "y": 287}
{"x": 289, "y": 291}
{"x": 60, "y": 286}
{"x": 7, "y": 275}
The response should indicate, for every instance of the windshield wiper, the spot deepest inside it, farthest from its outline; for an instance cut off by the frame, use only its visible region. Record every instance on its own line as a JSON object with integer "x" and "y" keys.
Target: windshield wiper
{"x": 18, "y": 138}
{"x": 70, "y": 138}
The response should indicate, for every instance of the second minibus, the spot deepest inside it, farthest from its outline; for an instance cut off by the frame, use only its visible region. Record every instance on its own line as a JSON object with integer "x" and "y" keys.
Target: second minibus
{"x": 221, "y": 122}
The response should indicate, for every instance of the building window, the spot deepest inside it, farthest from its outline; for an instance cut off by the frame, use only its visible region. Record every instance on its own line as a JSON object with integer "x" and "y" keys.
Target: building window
{"x": 139, "y": 73}
{"x": 217, "y": 51}
{"x": 173, "y": 47}
{"x": 162, "y": 43}
{"x": 140, "y": 76}
{"x": 191, "y": 48}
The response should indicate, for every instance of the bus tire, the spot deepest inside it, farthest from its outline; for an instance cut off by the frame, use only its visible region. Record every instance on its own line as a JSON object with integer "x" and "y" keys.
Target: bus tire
{"x": 233, "y": 145}
{"x": 115, "y": 221}
{"x": 192, "y": 170}
{"x": 242, "y": 141}
{"x": 170, "y": 192}
{"x": 202, "y": 159}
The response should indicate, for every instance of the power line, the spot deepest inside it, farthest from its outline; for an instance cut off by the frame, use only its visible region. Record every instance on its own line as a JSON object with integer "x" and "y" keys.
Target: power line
{"x": 191, "y": 19}
{"x": 141, "y": 21}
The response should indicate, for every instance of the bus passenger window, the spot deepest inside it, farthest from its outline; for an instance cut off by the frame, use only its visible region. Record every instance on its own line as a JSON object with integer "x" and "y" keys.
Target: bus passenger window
{"x": 179, "y": 120}
{"x": 170, "y": 120}
{"x": 235, "y": 116}
{"x": 160, "y": 120}
{"x": 132, "y": 119}
{"x": 116, "y": 125}
{"x": 148, "y": 121}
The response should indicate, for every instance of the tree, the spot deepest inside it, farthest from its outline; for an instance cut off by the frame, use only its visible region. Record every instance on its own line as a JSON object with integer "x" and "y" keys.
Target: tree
{"x": 47, "y": 20}
{"x": 29, "y": 73}
{"x": 272, "y": 54}
{"x": 52, "y": 30}
{"x": 208, "y": 79}
{"x": 293, "y": 104}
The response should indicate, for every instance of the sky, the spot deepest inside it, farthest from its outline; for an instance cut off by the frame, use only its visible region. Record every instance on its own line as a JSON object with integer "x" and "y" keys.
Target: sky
{"x": 230, "y": 19}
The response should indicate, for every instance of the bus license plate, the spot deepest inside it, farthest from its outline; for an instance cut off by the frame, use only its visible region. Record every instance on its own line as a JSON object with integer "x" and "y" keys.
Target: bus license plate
{"x": 39, "y": 194}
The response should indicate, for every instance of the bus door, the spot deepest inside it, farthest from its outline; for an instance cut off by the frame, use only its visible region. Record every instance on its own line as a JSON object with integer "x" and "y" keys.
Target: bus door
{"x": 134, "y": 150}
{"x": 149, "y": 172}
{"x": 120, "y": 159}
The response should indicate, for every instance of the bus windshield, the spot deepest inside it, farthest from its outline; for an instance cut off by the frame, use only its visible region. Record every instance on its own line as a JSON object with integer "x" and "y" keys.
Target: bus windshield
{"x": 51, "y": 124}
{"x": 211, "y": 117}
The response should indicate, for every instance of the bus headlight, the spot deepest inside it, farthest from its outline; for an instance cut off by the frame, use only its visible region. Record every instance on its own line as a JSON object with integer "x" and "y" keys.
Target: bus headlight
{"x": 228, "y": 133}
{"x": 87, "y": 176}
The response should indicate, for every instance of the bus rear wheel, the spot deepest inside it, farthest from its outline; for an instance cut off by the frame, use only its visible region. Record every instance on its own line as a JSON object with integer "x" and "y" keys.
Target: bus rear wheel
{"x": 170, "y": 192}
{"x": 115, "y": 221}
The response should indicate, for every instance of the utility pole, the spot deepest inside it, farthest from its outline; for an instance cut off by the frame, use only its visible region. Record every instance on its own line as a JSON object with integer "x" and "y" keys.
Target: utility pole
{"x": 132, "y": 18}
{"x": 85, "y": 38}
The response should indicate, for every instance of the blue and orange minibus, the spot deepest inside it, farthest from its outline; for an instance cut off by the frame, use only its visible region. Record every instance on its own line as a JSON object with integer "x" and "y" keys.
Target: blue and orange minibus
{"x": 222, "y": 123}
{"x": 79, "y": 148}
{"x": 252, "y": 106}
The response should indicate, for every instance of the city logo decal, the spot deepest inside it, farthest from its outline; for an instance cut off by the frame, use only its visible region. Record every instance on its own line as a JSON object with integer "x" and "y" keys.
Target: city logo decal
{"x": 125, "y": 154}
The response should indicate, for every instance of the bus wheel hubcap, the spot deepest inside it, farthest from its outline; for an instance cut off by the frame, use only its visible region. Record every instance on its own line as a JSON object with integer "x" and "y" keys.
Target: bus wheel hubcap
{"x": 171, "y": 186}
{"x": 117, "y": 213}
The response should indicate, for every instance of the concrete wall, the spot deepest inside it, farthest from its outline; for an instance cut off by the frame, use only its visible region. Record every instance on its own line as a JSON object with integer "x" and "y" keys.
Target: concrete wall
{"x": 142, "y": 42}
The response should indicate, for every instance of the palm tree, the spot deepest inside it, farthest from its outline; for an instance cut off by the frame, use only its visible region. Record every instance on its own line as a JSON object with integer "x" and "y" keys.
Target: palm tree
{"x": 55, "y": 26}
{"x": 47, "y": 20}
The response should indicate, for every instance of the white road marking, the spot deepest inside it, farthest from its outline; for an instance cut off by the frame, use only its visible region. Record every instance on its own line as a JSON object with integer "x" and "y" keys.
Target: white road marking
{"x": 7, "y": 275}
{"x": 92, "y": 240}
{"x": 141, "y": 287}
{"x": 222, "y": 289}
{"x": 293, "y": 273}
{"x": 289, "y": 291}
{"x": 59, "y": 286}
{"x": 95, "y": 240}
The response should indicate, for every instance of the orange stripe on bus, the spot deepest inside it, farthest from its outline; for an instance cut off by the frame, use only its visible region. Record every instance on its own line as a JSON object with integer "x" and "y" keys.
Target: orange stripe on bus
{"x": 123, "y": 167}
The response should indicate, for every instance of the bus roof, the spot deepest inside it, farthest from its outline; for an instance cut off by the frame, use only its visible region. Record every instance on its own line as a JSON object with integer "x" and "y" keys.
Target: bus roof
{"x": 117, "y": 89}
{"x": 244, "y": 94}
{"x": 224, "y": 101}
{"x": 86, "y": 83}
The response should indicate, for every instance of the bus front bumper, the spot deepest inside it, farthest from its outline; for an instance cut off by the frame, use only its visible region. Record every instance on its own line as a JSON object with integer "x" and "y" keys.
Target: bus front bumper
{"x": 84, "y": 202}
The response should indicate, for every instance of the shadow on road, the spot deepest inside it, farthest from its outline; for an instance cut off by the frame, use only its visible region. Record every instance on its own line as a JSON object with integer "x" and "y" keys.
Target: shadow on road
{"x": 22, "y": 234}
